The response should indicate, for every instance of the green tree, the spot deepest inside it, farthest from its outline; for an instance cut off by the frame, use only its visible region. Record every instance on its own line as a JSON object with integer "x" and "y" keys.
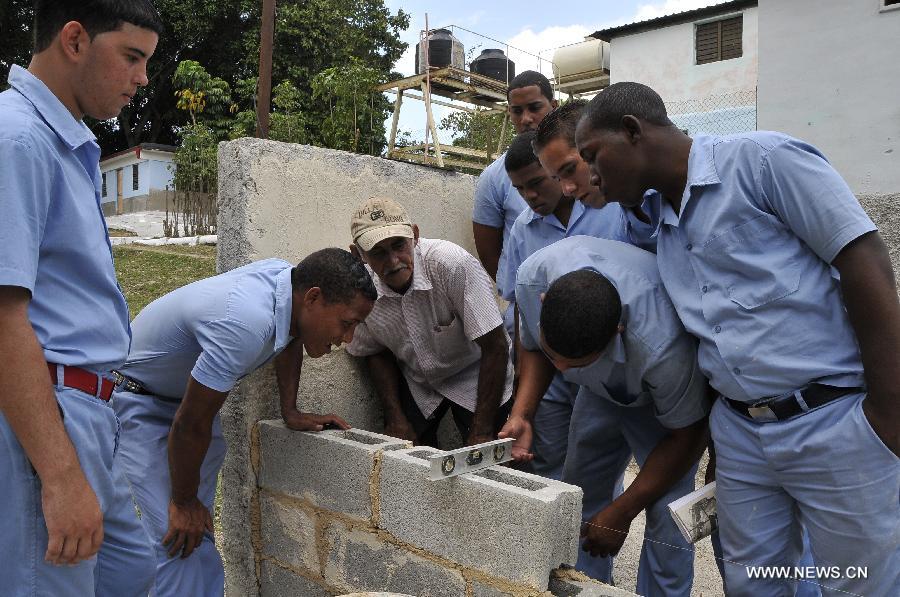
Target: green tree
{"x": 478, "y": 130}
{"x": 15, "y": 36}
{"x": 353, "y": 121}
{"x": 223, "y": 36}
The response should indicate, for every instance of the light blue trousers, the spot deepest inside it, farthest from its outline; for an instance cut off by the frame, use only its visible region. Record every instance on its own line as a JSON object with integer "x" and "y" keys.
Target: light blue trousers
{"x": 824, "y": 470}
{"x": 602, "y": 439}
{"x": 551, "y": 428}
{"x": 124, "y": 564}
{"x": 146, "y": 421}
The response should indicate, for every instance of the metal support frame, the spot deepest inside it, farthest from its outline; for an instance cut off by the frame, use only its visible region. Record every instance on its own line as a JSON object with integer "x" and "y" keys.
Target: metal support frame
{"x": 476, "y": 91}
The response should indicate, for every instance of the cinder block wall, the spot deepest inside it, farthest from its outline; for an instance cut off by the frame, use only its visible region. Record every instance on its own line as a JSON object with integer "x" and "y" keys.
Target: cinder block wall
{"x": 283, "y": 200}
{"x": 346, "y": 511}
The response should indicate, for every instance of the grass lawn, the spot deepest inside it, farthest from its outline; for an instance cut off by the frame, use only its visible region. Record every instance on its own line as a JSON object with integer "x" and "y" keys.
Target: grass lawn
{"x": 147, "y": 273}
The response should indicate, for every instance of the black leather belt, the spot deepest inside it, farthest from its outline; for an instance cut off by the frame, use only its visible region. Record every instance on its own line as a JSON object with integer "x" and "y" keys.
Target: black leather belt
{"x": 128, "y": 384}
{"x": 779, "y": 409}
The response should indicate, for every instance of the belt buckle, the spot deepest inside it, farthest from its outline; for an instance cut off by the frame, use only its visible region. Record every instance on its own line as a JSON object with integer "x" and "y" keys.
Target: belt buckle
{"x": 761, "y": 412}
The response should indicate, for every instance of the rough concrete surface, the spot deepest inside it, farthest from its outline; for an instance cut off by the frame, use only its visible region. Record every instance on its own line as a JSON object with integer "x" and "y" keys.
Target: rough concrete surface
{"x": 276, "y": 581}
{"x": 505, "y": 523}
{"x": 288, "y": 533}
{"x": 358, "y": 558}
{"x": 330, "y": 469}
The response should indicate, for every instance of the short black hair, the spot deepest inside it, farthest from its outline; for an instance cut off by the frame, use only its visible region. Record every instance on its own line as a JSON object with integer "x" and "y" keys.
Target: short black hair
{"x": 560, "y": 124}
{"x": 527, "y": 79}
{"x": 520, "y": 153}
{"x": 606, "y": 110}
{"x": 580, "y": 314}
{"x": 96, "y": 16}
{"x": 339, "y": 273}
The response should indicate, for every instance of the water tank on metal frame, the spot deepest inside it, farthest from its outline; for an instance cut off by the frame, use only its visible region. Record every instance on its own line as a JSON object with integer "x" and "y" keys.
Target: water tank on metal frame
{"x": 494, "y": 63}
{"x": 443, "y": 50}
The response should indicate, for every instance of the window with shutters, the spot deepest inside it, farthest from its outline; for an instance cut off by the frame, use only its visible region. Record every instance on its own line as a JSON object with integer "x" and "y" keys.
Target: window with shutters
{"x": 103, "y": 191}
{"x": 719, "y": 40}
{"x": 135, "y": 181}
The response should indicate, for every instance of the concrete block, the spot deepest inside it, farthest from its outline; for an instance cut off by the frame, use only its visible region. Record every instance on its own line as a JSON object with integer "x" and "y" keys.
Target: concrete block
{"x": 500, "y": 521}
{"x": 331, "y": 469}
{"x": 482, "y": 590}
{"x": 362, "y": 561}
{"x": 288, "y": 533}
{"x": 276, "y": 581}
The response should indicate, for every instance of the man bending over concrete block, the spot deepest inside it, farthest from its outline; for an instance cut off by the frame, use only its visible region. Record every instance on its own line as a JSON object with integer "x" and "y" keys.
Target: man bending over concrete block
{"x": 436, "y": 322}
{"x": 598, "y": 311}
{"x": 189, "y": 349}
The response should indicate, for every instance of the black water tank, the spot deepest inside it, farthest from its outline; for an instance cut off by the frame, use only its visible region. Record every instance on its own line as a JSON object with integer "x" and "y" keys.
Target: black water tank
{"x": 493, "y": 63}
{"x": 443, "y": 50}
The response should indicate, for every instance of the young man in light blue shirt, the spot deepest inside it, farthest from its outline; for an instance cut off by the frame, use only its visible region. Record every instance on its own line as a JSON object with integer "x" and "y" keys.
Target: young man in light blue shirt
{"x": 69, "y": 525}
{"x": 595, "y": 310}
{"x": 190, "y": 348}
{"x": 497, "y": 204}
{"x": 772, "y": 263}
{"x": 554, "y": 145}
{"x": 550, "y": 216}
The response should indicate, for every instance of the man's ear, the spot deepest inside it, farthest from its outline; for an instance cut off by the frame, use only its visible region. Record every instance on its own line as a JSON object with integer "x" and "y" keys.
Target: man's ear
{"x": 312, "y": 295}
{"x": 354, "y": 250}
{"x": 554, "y": 104}
{"x": 620, "y": 328}
{"x": 542, "y": 296}
{"x": 73, "y": 38}
{"x": 632, "y": 127}
{"x": 415, "y": 228}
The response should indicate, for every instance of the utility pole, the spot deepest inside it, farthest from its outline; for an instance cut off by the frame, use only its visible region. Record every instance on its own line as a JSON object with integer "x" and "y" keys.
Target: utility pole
{"x": 264, "y": 85}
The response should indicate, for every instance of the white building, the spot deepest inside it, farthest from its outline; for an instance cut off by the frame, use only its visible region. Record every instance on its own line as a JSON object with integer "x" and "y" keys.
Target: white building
{"x": 829, "y": 73}
{"x": 703, "y": 62}
{"x": 136, "y": 179}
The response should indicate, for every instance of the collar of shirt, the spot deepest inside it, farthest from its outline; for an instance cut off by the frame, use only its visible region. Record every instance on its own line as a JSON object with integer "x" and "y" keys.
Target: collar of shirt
{"x": 420, "y": 279}
{"x": 701, "y": 172}
{"x": 284, "y": 295}
{"x": 578, "y": 210}
{"x": 73, "y": 132}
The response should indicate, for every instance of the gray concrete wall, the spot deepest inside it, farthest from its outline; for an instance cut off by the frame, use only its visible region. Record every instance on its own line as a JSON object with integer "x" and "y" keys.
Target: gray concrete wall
{"x": 283, "y": 200}
{"x": 829, "y": 74}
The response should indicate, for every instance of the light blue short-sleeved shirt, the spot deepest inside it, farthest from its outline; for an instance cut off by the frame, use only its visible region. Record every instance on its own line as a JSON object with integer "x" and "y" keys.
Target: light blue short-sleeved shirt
{"x": 747, "y": 264}
{"x": 532, "y": 232}
{"x": 654, "y": 360}
{"x": 497, "y": 204}
{"x": 52, "y": 232}
{"x": 215, "y": 330}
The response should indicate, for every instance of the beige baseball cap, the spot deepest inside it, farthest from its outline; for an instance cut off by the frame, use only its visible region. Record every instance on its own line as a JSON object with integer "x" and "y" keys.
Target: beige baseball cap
{"x": 377, "y": 219}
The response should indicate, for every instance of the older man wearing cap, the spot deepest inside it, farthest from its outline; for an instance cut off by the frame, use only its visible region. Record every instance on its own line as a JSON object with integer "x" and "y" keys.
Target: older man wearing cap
{"x": 436, "y": 322}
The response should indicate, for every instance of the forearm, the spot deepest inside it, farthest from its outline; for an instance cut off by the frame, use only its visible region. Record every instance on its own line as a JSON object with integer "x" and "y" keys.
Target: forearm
{"x": 188, "y": 444}
{"x": 535, "y": 376}
{"x": 488, "y": 245}
{"x": 870, "y": 297}
{"x": 385, "y": 376}
{"x": 287, "y": 375}
{"x": 491, "y": 385}
{"x": 28, "y": 401}
{"x": 669, "y": 461}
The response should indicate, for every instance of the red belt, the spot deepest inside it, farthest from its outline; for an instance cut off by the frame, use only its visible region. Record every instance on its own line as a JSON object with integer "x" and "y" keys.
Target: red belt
{"x": 80, "y": 379}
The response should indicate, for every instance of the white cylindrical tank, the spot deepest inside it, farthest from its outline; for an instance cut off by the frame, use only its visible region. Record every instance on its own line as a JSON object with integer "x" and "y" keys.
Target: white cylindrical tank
{"x": 584, "y": 60}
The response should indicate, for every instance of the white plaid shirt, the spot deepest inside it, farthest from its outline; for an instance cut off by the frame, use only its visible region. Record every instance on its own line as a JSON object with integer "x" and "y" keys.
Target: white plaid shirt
{"x": 431, "y": 329}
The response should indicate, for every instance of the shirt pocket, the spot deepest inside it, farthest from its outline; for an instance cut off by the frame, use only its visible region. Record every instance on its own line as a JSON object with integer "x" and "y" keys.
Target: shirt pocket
{"x": 756, "y": 263}
{"x": 452, "y": 349}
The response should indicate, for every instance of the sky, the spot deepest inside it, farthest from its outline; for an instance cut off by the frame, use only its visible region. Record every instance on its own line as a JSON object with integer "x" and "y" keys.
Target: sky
{"x": 527, "y": 27}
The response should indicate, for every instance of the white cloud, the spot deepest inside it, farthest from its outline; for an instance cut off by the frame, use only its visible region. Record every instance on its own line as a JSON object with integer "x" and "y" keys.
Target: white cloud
{"x": 658, "y": 9}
